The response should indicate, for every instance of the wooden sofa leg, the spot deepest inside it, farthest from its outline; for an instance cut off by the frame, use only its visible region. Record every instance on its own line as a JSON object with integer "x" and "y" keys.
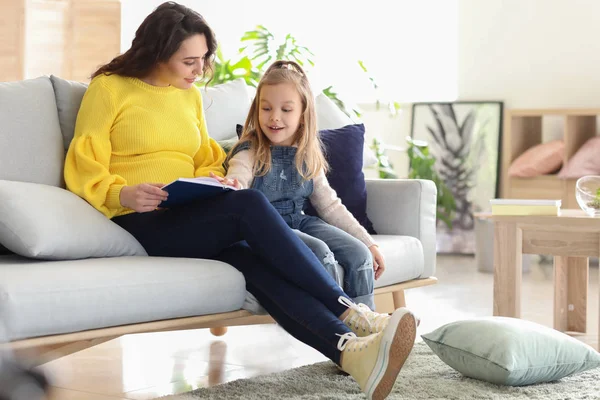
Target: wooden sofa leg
{"x": 399, "y": 300}
{"x": 218, "y": 330}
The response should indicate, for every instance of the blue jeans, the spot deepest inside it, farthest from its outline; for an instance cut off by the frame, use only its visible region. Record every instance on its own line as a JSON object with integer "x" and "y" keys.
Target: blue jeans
{"x": 332, "y": 245}
{"x": 243, "y": 229}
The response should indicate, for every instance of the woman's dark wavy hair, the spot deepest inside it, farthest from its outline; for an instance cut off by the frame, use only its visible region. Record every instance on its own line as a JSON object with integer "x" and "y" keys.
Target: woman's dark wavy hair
{"x": 158, "y": 38}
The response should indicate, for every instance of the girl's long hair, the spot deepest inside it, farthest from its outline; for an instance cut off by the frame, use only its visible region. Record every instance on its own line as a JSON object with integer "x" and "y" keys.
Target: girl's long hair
{"x": 310, "y": 159}
{"x": 158, "y": 38}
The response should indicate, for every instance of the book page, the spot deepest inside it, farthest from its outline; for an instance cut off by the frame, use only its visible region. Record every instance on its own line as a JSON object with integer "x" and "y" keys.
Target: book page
{"x": 206, "y": 180}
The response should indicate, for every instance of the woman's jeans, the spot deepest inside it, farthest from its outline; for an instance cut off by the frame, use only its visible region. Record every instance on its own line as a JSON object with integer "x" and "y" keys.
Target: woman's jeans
{"x": 244, "y": 230}
{"x": 333, "y": 246}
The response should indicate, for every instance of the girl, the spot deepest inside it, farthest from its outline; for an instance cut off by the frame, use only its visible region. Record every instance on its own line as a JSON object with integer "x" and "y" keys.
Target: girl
{"x": 279, "y": 153}
{"x": 141, "y": 124}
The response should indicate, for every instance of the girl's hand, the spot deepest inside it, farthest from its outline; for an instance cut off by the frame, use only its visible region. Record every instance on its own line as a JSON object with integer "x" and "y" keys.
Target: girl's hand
{"x": 144, "y": 197}
{"x": 378, "y": 261}
{"x": 227, "y": 181}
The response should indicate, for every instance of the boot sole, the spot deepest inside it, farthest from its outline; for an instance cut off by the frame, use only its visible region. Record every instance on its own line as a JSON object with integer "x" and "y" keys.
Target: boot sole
{"x": 395, "y": 347}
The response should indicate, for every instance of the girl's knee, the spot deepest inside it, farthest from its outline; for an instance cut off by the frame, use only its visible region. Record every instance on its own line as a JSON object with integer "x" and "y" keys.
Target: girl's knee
{"x": 323, "y": 253}
{"x": 361, "y": 255}
{"x": 363, "y": 264}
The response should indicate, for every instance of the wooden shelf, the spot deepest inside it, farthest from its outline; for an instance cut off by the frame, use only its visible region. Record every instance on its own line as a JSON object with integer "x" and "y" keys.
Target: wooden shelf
{"x": 554, "y": 111}
{"x": 523, "y": 130}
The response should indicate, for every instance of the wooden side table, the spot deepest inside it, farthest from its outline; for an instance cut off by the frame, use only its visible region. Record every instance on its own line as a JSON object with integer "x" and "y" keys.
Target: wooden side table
{"x": 571, "y": 238}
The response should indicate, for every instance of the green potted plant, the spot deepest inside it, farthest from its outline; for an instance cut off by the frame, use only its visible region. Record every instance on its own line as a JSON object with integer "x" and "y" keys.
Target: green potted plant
{"x": 384, "y": 166}
{"x": 422, "y": 167}
{"x": 259, "y": 49}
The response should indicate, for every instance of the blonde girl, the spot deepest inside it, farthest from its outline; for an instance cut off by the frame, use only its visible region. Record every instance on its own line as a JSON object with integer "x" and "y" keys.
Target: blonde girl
{"x": 279, "y": 154}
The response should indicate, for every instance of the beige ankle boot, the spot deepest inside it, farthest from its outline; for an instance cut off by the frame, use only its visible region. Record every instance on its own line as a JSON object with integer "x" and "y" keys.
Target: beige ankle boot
{"x": 375, "y": 361}
{"x": 362, "y": 321}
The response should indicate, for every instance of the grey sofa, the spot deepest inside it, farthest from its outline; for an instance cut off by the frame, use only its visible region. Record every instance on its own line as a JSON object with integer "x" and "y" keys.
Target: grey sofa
{"x": 76, "y": 279}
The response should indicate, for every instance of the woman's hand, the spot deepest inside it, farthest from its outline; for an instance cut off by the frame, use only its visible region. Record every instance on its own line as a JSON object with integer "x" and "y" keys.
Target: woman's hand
{"x": 227, "y": 181}
{"x": 144, "y": 197}
{"x": 378, "y": 261}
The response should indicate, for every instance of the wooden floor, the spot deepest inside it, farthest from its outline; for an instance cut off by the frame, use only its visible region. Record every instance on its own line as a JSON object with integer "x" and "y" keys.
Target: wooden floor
{"x": 147, "y": 366}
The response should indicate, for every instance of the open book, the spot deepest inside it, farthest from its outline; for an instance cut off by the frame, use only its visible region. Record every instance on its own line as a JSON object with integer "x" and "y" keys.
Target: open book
{"x": 185, "y": 190}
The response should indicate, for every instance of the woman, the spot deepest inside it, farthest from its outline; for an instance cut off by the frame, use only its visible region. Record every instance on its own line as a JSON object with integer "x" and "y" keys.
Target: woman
{"x": 141, "y": 125}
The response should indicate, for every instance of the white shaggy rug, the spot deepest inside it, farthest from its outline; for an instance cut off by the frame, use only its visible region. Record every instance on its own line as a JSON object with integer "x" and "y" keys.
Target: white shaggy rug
{"x": 424, "y": 376}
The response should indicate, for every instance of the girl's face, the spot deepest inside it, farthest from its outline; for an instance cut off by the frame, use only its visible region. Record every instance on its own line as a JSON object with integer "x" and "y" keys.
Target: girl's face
{"x": 280, "y": 110}
{"x": 185, "y": 65}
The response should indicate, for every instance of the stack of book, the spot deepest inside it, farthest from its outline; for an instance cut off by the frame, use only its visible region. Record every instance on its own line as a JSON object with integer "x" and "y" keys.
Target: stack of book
{"x": 525, "y": 207}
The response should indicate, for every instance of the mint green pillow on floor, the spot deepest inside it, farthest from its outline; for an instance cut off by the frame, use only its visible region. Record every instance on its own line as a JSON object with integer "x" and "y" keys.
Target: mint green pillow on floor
{"x": 510, "y": 351}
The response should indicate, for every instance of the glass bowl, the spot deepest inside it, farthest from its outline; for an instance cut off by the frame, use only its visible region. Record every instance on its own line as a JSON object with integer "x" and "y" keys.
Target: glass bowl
{"x": 587, "y": 192}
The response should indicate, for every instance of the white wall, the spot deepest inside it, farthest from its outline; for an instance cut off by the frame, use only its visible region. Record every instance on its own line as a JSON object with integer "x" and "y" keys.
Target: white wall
{"x": 530, "y": 53}
{"x": 409, "y": 46}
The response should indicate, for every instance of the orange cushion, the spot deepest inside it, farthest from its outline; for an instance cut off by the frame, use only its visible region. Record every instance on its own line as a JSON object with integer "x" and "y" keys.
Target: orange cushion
{"x": 542, "y": 159}
{"x": 585, "y": 161}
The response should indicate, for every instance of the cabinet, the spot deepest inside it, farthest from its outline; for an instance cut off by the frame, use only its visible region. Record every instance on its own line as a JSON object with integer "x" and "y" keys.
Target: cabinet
{"x": 523, "y": 130}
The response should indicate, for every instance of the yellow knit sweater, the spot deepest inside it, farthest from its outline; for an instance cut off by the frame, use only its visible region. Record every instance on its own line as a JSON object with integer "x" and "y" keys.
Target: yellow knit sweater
{"x": 129, "y": 132}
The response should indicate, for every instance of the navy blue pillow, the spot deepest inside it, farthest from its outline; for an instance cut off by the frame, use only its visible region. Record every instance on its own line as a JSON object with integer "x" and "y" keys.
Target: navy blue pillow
{"x": 344, "y": 153}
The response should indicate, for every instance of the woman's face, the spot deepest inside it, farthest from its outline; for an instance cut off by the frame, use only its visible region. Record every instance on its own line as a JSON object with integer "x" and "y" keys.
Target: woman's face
{"x": 185, "y": 65}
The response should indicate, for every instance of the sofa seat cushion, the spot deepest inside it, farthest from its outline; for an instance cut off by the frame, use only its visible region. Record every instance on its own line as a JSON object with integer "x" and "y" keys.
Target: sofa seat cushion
{"x": 51, "y": 297}
{"x": 403, "y": 259}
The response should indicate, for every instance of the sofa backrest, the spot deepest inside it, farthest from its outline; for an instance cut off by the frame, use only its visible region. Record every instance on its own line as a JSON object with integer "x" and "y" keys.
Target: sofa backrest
{"x": 68, "y": 96}
{"x": 31, "y": 143}
{"x": 37, "y": 122}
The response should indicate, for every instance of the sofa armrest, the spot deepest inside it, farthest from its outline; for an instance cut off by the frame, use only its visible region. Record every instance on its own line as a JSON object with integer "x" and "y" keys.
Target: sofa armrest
{"x": 405, "y": 207}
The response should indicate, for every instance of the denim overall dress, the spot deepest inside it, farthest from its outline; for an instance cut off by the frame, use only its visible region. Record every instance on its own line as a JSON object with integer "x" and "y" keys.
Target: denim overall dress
{"x": 288, "y": 192}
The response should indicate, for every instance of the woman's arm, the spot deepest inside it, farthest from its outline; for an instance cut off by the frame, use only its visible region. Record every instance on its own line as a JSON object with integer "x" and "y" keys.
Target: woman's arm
{"x": 331, "y": 210}
{"x": 88, "y": 158}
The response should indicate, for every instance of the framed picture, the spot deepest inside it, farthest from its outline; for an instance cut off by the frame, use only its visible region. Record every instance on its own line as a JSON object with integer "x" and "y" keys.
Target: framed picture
{"x": 465, "y": 138}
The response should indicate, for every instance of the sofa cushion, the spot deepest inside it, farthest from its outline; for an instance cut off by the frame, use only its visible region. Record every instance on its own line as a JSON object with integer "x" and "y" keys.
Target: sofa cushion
{"x": 584, "y": 162}
{"x": 227, "y": 144}
{"x": 330, "y": 116}
{"x": 510, "y": 351}
{"x": 68, "y": 96}
{"x": 47, "y": 222}
{"x": 71, "y": 296}
{"x": 344, "y": 153}
{"x": 225, "y": 105}
{"x": 403, "y": 259}
{"x": 541, "y": 159}
{"x": 31, "y": 144}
